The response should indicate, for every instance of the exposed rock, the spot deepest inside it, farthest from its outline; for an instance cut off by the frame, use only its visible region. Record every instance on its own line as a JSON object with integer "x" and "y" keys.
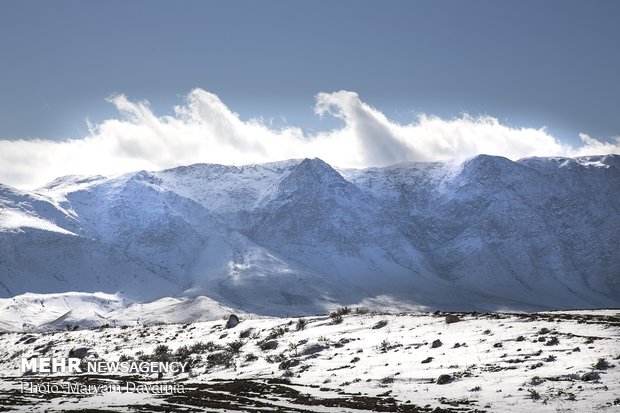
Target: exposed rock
{"x": 452, "y": 318}
{"x": 245, "y": 333}
{"x": 269, "y": 345}
{"x": 287, "y": 364}
{"x": 380, "y": 324}
{"x": 26, "y": 339}
{"x": 342, "y": 342}
{"x": 81, "y": 352}
{"x": 312, "y": 349}
{"x": 552, "y": 342}
{"x": 437, "y": 343}
{"x": 444, "y": 379}
{"x": 233, "y": 320}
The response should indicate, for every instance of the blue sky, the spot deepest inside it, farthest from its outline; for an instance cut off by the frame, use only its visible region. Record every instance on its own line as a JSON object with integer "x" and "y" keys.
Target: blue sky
{"x": 529, "y": 64}
{"x": 552, "y": 63}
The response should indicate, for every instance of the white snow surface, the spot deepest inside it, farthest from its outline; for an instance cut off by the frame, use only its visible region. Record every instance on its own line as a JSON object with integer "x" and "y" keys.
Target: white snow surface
{"x": 545, "y": 362}
{"x": 300, "y": 237}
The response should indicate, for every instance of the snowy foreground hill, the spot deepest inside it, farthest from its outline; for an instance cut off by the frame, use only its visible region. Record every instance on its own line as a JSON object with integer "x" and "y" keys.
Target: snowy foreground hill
{"x": 300, "y": 237}
{"x": 355, "y": 362}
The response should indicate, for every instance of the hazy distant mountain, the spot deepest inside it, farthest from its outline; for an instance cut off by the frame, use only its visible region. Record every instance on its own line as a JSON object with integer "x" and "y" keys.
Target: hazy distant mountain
{"x": 298, "y": 236}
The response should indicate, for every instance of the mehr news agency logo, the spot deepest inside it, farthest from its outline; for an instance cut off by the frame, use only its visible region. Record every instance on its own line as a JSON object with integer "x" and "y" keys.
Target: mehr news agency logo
{"x": 73, "y": 365}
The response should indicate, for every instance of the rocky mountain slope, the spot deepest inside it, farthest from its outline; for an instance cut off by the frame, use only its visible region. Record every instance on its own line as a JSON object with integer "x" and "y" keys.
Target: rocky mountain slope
{"x": 299, "y": 236}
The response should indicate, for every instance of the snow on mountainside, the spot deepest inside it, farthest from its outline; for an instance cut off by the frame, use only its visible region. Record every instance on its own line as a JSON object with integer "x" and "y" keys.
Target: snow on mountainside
{"x": 70, "y": 311}
{"x": 299, "y": 236}
{"x": 30, "y": 310}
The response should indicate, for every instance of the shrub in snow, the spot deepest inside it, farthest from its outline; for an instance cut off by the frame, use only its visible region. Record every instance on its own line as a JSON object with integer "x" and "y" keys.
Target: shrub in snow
{"x": 534, "y": 395}
{"x": 275, "y": 358}
{"x": 182, "y": 352}
{"x": 220, "y": 358}
{"x": 553, "y": 341}
{"x": 590, "y": 376}
{"x": 343, "y": 311}
{"x": 294, "y": 347}
{"x": 276, "y": 332}
{"x": 287, "y": 364}
{"x": 200, "y": 347}
{"x": 235, "y": 346}
{"x": 301, "y": 324}
{"x": 336, "y": 318}
{"x": 602, "y": 364}
{"x": 387, "y": 380}
{"x": 162, "y": 353}
{"x": 384, "y": 346}
{"x": 536, "y": 380}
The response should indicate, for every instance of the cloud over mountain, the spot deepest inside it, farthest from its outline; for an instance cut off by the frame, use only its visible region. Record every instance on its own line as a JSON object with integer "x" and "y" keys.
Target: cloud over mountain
{"x": 204, "y": 129}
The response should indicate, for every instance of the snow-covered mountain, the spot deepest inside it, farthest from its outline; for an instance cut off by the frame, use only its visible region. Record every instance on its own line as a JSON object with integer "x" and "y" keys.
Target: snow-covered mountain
{"x": 299, "y": 236}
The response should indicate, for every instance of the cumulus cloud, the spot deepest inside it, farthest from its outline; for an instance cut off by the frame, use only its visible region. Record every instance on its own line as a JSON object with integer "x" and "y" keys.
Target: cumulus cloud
{"x": 204, "y": 129}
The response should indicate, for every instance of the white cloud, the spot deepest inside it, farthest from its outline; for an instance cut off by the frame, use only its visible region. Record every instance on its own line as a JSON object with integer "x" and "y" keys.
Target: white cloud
{"x": 204, "y": 129}
{"x": 593, "y": 146}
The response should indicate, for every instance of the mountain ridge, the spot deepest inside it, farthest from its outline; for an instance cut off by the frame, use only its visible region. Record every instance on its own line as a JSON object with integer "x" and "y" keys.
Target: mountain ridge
{"x": 300, "y": 235}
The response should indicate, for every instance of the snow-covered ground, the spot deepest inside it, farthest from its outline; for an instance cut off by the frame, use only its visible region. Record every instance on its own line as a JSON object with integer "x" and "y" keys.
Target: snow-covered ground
{"x": 408, "y": 362}
{"x": 72, "y": 311}
{"x": 124, "y": 264}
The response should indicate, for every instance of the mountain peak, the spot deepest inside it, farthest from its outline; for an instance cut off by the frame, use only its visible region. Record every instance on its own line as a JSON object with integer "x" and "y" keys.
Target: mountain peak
{"x": 484, "y": 160}
{"x": 314, "y": 173}
{"x": 315, "y": 164}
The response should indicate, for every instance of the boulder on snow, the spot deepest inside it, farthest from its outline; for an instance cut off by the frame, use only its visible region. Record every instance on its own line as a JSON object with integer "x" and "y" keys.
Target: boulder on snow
{"x": 452, "y": 318}
{"x": 436, "y": 343}
{"x": 444, "y": 379}
{"x": 312, "y": 349}
{"x": 269, "y": 345}
{"x": 380, "y": 324}
{"x": 232, "y": 322}
{"x": 81, "y": 352}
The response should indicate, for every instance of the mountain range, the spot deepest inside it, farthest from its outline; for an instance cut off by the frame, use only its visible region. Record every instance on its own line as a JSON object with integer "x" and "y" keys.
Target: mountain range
{"x": 300, "y": 236}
